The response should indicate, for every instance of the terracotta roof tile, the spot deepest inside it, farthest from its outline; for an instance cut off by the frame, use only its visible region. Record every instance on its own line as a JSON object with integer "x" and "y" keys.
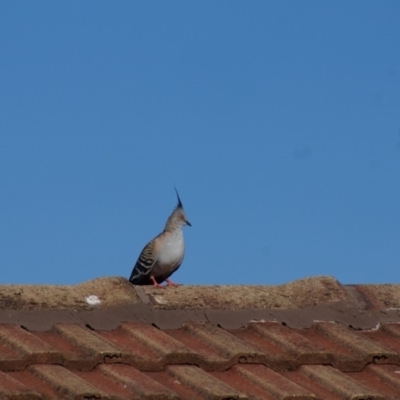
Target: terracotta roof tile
{"x": 268, "y": 382}
{"x": 159, "y": 342}
{"x": 203, "y": 383}
{"x": 347, "y": 348}
{"x": 136, "y": 382}
{"x": 293, "y": 343}
{"x": 66, "y": 383}
{"x": 11, "y": 388}
{"x": 385, "y": 373}
{"x": 338, "y": 383}
{"x": 97, "y": 348}
{"x": 230, "y": 346}
{"x": 24, "y": 342}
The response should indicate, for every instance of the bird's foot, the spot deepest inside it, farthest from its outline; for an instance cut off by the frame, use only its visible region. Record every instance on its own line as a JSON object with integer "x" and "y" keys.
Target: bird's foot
{"x": 173, "y": 284}
{"x": 156, "y": 284}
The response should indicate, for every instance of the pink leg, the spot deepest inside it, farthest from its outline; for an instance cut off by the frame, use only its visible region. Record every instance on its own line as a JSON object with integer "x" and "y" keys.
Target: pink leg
{"x": 155, "y": 283}
{"x": 170, "y": 283}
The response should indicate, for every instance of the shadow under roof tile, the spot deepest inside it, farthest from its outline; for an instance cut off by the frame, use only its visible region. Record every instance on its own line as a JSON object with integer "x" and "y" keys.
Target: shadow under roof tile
{"x": 66, "y": 384}
{"x": 205, "y": 384}
{"x": 12, "y": 389}
{"x": 136, "y": 382}
{"x": 365, "y": 350}
{"x": 339, "y": 383}
{"x": 273, "y": 383}
{"x": 33, "y": 349}
{"x": 292, "y": 342}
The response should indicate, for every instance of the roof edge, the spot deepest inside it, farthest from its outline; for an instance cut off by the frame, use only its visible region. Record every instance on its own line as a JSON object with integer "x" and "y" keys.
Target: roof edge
{"x": 110, "y": 318}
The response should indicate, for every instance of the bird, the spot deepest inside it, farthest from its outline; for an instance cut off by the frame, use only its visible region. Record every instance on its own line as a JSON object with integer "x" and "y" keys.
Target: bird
{"x": 163, "y": 255}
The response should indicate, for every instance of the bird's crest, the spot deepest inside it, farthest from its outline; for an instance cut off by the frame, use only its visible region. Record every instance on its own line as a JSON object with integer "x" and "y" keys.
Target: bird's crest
{"x": 178, "y": 217}
{"x": 179, "y": 200}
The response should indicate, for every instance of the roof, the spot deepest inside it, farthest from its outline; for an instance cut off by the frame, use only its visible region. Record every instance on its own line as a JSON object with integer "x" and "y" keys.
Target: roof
{"x": 107, "y": 339}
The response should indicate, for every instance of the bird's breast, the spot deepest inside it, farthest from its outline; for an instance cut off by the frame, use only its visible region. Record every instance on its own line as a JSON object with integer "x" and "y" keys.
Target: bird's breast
{"x": 172, "y": 250}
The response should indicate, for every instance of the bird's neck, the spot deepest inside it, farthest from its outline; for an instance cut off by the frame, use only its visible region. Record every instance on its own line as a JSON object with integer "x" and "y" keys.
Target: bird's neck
{"x": 174, "y": 230}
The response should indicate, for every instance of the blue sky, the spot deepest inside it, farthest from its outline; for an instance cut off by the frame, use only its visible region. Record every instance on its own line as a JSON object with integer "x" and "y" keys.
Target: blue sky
{"x": 279, "y": 123}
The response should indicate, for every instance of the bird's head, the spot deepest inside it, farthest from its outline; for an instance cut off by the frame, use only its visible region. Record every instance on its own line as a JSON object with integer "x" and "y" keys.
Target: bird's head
{"x": 178, "y": 217}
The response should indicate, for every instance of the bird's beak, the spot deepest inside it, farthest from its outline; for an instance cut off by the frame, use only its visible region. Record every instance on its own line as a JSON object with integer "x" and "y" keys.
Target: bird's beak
{"x": 188, "y": 223}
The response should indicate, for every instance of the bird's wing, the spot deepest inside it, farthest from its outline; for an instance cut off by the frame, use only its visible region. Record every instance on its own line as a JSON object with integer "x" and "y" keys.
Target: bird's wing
{"x": 145, "y": 262}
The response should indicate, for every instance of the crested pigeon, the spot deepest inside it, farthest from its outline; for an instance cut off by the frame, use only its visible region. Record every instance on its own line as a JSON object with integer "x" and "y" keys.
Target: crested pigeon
{"x": 163, "y": 255}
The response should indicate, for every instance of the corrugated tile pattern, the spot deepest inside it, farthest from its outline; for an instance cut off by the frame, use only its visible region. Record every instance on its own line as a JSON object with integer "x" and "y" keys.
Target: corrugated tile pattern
{"x": 265, "y": 360}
